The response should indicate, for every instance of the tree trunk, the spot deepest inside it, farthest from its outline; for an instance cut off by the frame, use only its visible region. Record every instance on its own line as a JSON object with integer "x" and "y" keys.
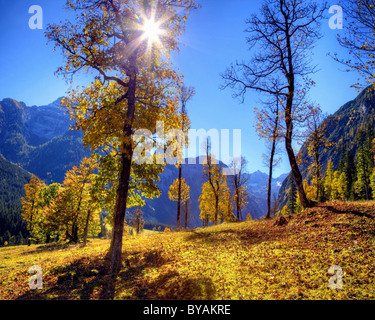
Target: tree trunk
{"x": 268, "y": 215}
{"x": 179, "y": 197}
{"x": 317, "y": 173}
{"x": 295, "y": 170}
{"x": 273, "y": 150}
{"x": 74, "y": 236}
{"x": 119, "y": 216}
{"x": 238, "y": 205}
{"x": 289, "y": 124}
{"x": 237, "y": 193}
{"x": 124, "y": 175}
{"x": 186, "y": 214}
{"x": 216, "y": 208}
{"x": 86, "y": 227}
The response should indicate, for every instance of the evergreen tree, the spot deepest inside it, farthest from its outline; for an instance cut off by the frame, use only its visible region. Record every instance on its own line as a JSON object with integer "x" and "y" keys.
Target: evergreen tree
{"x": 364, "y": 170}
{"x": 328, "y": 180}
{"x": 335, "y": 193}
{"x": 347, "y": 166}
{"x": 373, "y": 183}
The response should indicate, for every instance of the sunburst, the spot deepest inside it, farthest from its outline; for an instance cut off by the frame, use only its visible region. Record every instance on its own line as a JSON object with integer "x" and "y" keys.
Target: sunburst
{"x": 151, "y": 30}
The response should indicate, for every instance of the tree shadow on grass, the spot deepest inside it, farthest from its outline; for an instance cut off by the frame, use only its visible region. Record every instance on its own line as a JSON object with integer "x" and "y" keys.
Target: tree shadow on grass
{"x": 348, "y": 210}
{"x": 174, "y": 286}
{"x": 53, "y": 246}
{"x": 49, "y": 248}
{"x": 246, "y": 236}
{"x": 88, "y": 278}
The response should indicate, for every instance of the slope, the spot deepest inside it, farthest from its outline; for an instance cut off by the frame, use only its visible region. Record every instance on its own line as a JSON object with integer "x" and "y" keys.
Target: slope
{"x": 249, "y": 260}
{"x": 12, "y": 181}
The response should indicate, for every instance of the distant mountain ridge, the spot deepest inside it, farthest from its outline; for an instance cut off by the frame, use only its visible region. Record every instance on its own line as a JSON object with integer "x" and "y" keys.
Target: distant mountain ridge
{"x": 165, "y": 211}
{"x": 38, "y": 139}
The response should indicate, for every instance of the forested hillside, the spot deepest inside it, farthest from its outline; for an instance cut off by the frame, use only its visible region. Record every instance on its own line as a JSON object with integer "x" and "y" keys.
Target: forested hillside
{"x": 349, "y": 136}
{"x": 12, "y": 181}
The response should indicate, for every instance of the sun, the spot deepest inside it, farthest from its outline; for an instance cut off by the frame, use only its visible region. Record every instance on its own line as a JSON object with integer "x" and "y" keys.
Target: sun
{"x": 151, "y": 30}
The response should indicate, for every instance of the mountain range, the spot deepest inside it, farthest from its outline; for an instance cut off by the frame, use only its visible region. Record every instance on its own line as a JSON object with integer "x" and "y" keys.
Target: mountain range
{"x": 37, "y": 140}
{"x": 164, "y": 211}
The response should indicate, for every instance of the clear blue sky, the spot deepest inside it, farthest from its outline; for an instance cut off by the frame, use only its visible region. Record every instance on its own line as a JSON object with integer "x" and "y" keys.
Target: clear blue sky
{"x": 214, "y": 38}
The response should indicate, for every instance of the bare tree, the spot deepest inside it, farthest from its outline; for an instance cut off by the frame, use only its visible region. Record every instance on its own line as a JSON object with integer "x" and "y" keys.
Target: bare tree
{"x": 284, "y": 33}
{"x": 359, "y": 39}
{"x": 269, "y": 128}
{"x": 186, "y": 94}
{"x": 239, "y": 181}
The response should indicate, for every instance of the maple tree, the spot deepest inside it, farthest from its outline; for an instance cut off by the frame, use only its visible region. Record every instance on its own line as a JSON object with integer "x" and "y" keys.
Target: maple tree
{"x": 292, "y": 195}
{"x": 74, "y": 211}
{"x": 215, "y": 200}
{"x": 284, "y": 33}
{"x": 179, "y": 191}
{"x": 127, "y": 45}
{"x": 32, "y": 207}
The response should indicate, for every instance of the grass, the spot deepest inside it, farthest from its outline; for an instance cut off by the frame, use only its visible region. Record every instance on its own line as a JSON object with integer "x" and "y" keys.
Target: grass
{"x": 248, "y": 260}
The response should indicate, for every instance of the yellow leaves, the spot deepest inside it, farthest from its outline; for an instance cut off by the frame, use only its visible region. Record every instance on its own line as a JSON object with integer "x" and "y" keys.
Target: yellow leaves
{"x": 174, "y": 191}
{"x": 252, "y": 260}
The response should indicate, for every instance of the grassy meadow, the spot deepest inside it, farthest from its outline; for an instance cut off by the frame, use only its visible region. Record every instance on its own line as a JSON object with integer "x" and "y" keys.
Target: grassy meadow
{"x": 247, "y": 260}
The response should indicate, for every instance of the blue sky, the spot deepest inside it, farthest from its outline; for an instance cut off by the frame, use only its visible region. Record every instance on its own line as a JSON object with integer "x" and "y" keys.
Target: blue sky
{"x": 214, "y": 39}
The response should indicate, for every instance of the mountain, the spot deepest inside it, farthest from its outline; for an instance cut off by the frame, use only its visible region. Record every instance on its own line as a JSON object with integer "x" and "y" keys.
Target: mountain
{"x": 163, "y": 210}
{"x": 258, "y": 181}
{"x": 346, "y": 128}
{"x": 12, "y": 181}
{"x": 39, "y": 139}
